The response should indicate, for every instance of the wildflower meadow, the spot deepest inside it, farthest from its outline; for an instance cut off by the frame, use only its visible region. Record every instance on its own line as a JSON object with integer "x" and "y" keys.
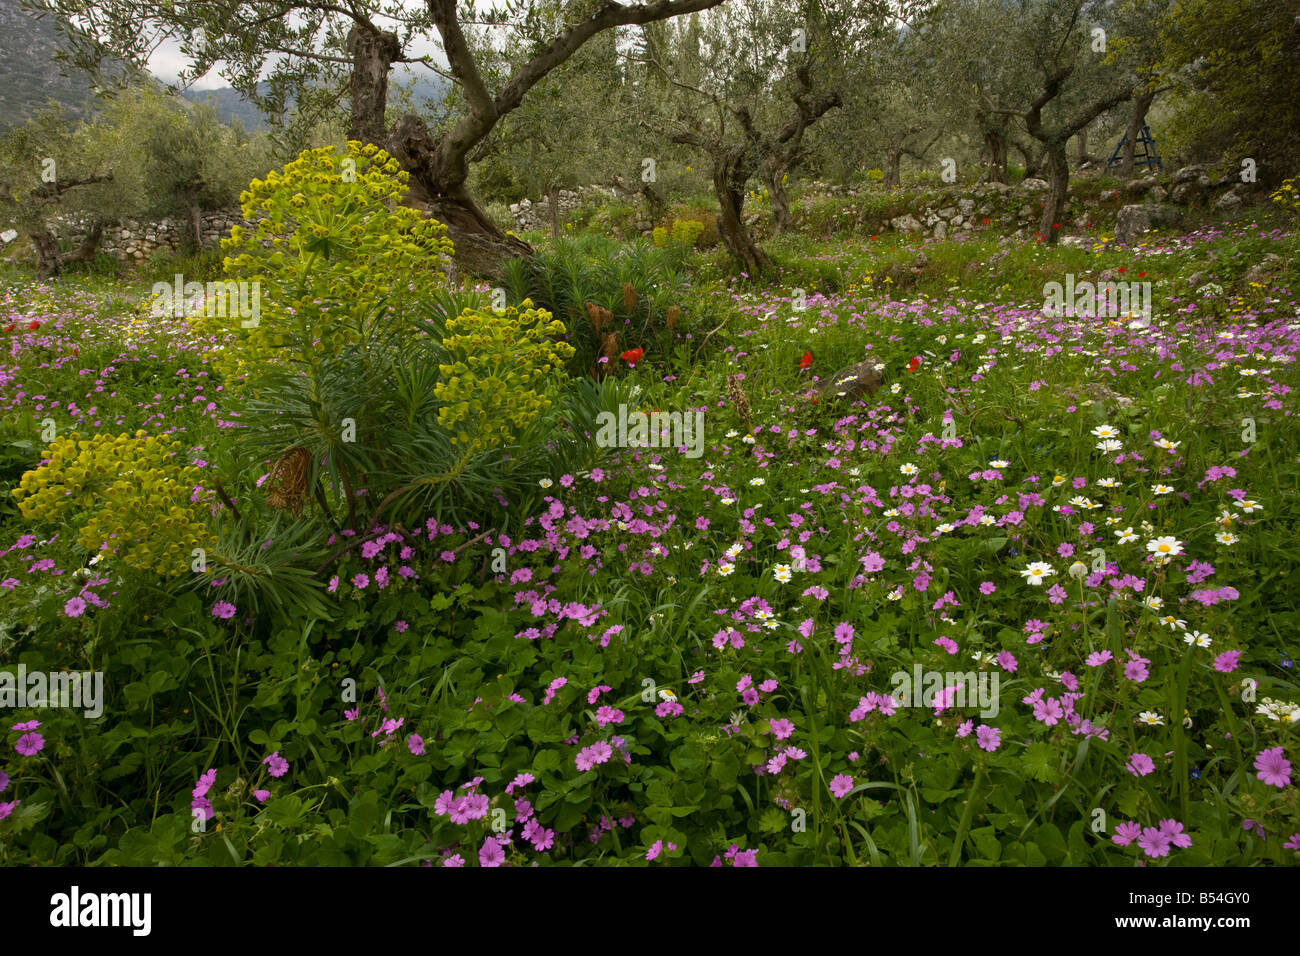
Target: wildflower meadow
{"x": 756, "y": 529}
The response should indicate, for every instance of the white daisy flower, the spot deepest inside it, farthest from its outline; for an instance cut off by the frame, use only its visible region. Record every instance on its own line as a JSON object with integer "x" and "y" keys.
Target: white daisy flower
{"x": 1165, "y": 547}
{"x": 1151, "y": 719}
{"x": 1037, "y": 572}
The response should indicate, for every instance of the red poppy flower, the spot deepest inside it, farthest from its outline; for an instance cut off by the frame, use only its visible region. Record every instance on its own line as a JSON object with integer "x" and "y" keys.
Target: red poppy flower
{"x": 1141, "y": 275}
{"x": 9, "y": 327}
{"x": 913, "y": 365}
{"x": 806, "y": 361}
{"x": 987, "y": 221}
{"x": 632, "y": 356}
{"x": 1121, "y": 269}
{"x": 33, "y": 325}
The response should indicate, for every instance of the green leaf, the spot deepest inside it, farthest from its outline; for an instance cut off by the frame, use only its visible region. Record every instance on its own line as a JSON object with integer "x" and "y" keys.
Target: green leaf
{"x": 1040, "y": 762}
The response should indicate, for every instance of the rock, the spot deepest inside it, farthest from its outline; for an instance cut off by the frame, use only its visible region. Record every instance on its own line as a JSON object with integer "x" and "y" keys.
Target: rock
{"x": 906, "y": 223}
{"x": 921, "y": 261}
{"x": 1076, "y": 242}
{"x": 1158, "y": 194}
{"x": 1188, "y": 174}
{"x": 1026, "y": 211}
{"x": 1134, "y": 221}
{"x": 850, "y": 384}
{"x": 1108, "y": 195}
{"x": 1228, "y": 202}
{"x": 1196, "y": 280}
{"x": 1190, "y": 189}
{"x": 1260, "y": 272}
{"x": 941, "y": 230}
{"x": 1140, "y": 187}
{"x": 958, "y": 222}
{"x": 947, "y": 212}
{"x": 1034, "y": 185}
{"x": 967, "y": 206}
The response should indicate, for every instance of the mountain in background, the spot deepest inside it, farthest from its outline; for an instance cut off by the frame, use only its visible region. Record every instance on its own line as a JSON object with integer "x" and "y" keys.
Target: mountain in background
{"x": 425, "y": 90}
{"x": 30, "y": 77}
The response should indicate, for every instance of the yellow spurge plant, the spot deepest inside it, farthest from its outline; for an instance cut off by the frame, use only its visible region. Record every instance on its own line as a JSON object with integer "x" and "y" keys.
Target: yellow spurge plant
{"x": 496, "y": 385}
{"x": 332, "y": 239}
{"x": 1288, "y": 195}
{"x": 687, "y": 231}
{"x": 129, "y": 492}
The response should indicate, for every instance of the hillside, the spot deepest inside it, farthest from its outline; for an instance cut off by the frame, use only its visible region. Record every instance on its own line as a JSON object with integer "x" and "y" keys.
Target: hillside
{"x": 29, "y": 75}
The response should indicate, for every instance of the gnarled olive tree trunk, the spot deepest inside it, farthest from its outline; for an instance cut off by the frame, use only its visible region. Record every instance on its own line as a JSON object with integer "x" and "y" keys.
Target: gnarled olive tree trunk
{"x": 439, "y": 164}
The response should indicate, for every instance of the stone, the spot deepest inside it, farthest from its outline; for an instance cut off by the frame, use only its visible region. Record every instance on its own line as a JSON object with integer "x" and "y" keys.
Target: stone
{"x": 906, "y": 223}
{"x": 947, "y": 212}
{"x": 1191, "y": 189}
{"x": 967, "y": 206}
{"x": 1034, "y": 185}
{"x": 1260, "y": 272}
{"x": 1188, "y": 174}
{"x": 941, "y": 230}
{"x": 1228, "y": 202}
{"x": 1140, "y": 187}
{"x": 1134, "y": 221}
{"x": 850, "y": 384}
{"x": 1108, "y": 195}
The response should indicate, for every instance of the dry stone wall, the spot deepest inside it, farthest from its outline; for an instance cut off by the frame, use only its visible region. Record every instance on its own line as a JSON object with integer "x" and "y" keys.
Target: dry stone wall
{"x": 134, "y": 240}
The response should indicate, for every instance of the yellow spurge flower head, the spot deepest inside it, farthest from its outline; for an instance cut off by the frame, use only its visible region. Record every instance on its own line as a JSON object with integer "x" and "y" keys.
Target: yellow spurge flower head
{"x": 133, "y": 492}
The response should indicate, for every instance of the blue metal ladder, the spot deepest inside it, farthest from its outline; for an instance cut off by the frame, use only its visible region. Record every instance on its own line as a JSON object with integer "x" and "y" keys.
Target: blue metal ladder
{"x": 1144, "y": 152}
